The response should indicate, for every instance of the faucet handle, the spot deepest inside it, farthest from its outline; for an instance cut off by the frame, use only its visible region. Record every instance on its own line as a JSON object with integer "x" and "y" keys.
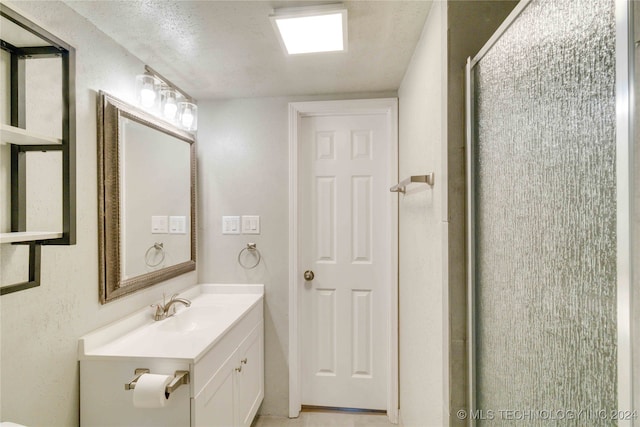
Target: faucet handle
{"x": 159, "y": 315}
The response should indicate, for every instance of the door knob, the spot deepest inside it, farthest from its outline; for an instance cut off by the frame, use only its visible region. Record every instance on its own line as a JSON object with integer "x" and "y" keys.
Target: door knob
{"x": 308, "y": 275}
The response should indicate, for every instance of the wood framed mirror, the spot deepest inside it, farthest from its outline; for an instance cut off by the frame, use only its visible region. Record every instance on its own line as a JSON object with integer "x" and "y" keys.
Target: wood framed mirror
{"x": 146, "y": 179}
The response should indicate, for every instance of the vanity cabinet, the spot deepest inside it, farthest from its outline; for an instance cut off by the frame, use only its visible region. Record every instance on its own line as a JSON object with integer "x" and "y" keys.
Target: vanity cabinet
{"x": 233, "y": 393}
{"x": 223, "y": 350}
{"x": 250, "y": 377}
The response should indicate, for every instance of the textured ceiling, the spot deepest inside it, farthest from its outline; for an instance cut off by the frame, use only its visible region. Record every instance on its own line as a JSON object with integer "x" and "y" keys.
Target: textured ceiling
{"x": 228, "y": 49}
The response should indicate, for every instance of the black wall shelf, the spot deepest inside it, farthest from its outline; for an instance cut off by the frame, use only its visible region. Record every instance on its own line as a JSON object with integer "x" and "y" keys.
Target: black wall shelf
{"x": 23, "y": 141}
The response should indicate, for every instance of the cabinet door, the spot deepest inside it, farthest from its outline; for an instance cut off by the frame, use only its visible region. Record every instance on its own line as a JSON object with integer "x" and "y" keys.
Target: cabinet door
{"x": 214, "y": 407}
{"x": 250, "y": 379}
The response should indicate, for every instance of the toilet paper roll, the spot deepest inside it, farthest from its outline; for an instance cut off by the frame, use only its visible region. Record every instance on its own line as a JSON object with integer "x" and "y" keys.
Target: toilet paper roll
{"x": 149, "y": 391}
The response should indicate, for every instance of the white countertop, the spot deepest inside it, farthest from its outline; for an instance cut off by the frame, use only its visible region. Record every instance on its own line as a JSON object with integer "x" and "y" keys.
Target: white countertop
{"x": 187, "y": 335}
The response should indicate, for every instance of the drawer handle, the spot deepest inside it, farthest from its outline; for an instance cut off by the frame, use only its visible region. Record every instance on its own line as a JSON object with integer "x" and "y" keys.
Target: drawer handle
{"x": 244, "y": 361}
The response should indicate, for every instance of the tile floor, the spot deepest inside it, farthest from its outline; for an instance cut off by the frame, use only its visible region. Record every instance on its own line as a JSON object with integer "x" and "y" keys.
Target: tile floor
{"x": 324, "y": 419}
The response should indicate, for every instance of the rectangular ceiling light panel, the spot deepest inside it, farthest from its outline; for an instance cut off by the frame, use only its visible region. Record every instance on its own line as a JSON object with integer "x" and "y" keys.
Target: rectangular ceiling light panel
{"x": 311, "y": 29}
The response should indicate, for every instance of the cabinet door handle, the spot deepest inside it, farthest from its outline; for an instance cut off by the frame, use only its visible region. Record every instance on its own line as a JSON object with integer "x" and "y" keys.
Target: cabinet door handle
{"x": 243, "y": 361}
{"x": 239, "y": 368}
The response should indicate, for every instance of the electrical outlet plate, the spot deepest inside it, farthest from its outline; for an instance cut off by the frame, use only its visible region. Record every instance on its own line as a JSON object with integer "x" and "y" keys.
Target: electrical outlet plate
{"x": 159, "y": 224}
{"x": 178, "y": 225}
{"x": 250, "y": 224}
{"x": 230, "y": 225}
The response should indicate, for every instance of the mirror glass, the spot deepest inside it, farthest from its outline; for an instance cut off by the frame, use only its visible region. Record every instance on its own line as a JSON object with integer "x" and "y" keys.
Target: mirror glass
{"x": 148, "y": 173}
{"x": 155, "y": 202}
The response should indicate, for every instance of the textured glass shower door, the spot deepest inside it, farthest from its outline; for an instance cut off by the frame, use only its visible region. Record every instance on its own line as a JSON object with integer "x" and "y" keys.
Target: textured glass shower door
{"x": 544, "y": 218}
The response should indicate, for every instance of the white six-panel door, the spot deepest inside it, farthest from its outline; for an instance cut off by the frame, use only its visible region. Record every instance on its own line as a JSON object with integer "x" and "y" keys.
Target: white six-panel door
{"x": 344, "y": 233}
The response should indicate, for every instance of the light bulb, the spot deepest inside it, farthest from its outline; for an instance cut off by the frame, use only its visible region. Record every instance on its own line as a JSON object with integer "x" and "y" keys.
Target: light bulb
{"x": 168, "y": 100}
{"x": 187, "y": 119}
{"x": 170, "y": 109}
{"x": 147, "y": 88}
{"x": 147, "y": 97}
{"x": 188, "y": 115}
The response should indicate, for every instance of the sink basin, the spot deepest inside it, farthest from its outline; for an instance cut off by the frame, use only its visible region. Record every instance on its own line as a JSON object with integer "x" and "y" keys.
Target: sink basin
{"x": 190, "y": 319}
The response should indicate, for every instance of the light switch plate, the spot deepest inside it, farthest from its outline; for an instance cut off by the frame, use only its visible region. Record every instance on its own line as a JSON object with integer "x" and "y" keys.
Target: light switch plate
{"x": 178, "y": 225}
{"x": 250, "y": 224}
{"x": 230, "y": 225}
{"x": 159, "y": 224}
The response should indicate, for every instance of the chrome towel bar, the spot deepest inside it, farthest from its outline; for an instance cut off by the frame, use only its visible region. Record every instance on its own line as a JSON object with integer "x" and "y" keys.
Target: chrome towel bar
{"x": 401, "y": 187}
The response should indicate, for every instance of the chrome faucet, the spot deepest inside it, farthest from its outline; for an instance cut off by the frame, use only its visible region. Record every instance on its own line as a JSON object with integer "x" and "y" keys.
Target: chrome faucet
{"x": 164, "y": 310}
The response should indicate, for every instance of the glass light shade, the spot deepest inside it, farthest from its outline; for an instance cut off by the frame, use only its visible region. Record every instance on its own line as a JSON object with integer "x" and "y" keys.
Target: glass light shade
{"x": 147, "y": 89}
{"x": 169, "y": 104}
{"x": 188, "y": 115}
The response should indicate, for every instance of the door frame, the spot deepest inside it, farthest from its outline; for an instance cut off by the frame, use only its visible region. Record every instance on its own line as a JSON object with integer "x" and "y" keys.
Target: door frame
{"x": 297, "y": 111}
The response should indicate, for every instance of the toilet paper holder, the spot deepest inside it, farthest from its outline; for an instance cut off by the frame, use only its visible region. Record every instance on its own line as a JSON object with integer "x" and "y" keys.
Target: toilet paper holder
{"x": 179, "y": 378}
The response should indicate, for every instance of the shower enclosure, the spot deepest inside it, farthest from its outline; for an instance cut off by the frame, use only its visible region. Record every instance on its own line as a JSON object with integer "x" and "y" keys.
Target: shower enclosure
{"x": 550, "y": 138}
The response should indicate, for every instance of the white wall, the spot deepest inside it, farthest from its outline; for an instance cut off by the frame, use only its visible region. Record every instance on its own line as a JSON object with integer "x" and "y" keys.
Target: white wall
{"x": 243, "y": 169}
{"x": 40, "y": 327}
{"x": 423, "y": 238}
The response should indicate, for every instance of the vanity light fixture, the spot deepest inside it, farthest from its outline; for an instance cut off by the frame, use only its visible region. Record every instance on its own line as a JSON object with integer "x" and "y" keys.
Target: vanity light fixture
{"x": 311, "y": 29}
{"x": 159, "y": 96}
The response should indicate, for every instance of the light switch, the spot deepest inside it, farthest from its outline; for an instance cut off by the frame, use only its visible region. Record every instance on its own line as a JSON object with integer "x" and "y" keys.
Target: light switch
{"x": 178, "y": 224}
{"x": 159, "y": 224}
{"x": 250, "y": 224}
{"x": 230, "y": 225}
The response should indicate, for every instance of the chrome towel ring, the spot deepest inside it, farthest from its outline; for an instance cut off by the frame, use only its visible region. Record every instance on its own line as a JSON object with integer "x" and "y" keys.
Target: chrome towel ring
{"x": 158, "y": 247}
{"x": 250, "y": 249}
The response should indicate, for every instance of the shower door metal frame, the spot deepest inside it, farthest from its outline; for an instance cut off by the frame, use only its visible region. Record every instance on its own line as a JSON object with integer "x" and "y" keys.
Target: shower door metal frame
{"x": 624, "y": 94}
{"x": 625, "y": 106}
